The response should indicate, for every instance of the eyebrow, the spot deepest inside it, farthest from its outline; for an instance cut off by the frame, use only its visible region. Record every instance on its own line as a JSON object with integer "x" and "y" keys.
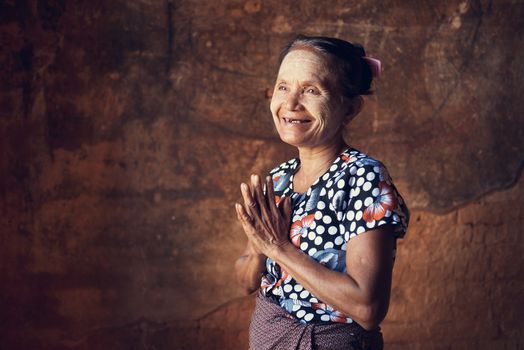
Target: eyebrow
{"x": 318, "y": 82}
{"x": 307, "y": 82}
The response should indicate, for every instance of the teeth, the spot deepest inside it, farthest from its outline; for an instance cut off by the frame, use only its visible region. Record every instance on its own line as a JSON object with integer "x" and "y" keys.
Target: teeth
{"x": 295, "y": 121}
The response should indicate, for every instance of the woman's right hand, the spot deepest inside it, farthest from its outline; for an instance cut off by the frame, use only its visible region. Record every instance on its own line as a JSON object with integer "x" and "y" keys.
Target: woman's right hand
{"x": 266, "y": 224}
{"x": 250, "y": 265}
{"x": 251, "y": 247}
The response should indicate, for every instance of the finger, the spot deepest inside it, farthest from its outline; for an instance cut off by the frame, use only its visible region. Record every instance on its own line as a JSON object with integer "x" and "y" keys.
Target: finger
{"x": 242, "y": 215}
{"x": 247, "y": 224}
{"x": 252, "y": 186}
{"x": 260, "y": 198}
{"x": 270, "y": 194}
{"x": 250, "y": 203}
{"x": 285, "y": 208}
{"x": 237, "y": 210}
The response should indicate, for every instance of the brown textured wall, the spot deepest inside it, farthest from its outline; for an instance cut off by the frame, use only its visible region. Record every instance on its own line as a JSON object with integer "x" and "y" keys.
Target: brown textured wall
{"x": 126, "y": 127}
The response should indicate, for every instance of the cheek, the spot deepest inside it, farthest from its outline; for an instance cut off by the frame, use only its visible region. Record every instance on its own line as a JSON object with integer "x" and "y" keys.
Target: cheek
{"x": 274, "y": 105}
{"x": 320, "y": 110}
{"x": 325, "y": 112}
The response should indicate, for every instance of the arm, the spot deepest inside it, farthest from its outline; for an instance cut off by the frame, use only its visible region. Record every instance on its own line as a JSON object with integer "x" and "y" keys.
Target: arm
{"x": 362, "y": 293}
{"x": 249, "y": 267}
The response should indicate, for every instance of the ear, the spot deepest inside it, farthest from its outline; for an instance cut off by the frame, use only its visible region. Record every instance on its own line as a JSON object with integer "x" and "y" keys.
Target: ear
{"x": 354, "y": 106}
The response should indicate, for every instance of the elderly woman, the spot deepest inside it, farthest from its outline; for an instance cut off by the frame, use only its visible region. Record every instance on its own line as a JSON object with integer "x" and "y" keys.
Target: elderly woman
{"x": 322, "y": 228}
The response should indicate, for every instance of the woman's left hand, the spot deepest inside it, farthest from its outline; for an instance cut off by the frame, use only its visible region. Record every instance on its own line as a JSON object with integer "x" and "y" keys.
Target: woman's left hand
{"x": 265, "y": 224}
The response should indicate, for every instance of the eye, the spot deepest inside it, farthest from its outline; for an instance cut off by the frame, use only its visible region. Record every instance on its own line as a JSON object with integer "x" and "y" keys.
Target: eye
{"x": 282, "y": 87}
{"x": 311, "y": 90}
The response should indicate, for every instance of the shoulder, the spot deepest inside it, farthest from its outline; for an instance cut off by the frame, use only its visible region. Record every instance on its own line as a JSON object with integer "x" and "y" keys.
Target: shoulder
{"x": 286, "y": 166}
{"x": 373, "y": 198}
{"x": 281, "y": 175}
{"x": 358, "y": 159}
{"x": 362, "y": 168}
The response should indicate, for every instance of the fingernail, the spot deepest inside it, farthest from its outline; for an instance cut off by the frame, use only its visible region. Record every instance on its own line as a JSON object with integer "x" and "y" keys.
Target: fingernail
{"x": 243, "y": 186}
{"x": 268, "y": 178}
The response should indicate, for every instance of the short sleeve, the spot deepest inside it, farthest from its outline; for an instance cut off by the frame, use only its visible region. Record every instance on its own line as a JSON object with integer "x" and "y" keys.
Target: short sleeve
{"x": 374, "y": 201}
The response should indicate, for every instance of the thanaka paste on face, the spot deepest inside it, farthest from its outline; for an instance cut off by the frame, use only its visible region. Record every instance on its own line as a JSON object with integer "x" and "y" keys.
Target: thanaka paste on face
{"x": 300, "y": 69}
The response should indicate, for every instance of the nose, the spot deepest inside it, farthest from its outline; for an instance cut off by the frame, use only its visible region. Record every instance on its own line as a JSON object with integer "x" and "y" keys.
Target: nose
{"x": 293, "y": 100}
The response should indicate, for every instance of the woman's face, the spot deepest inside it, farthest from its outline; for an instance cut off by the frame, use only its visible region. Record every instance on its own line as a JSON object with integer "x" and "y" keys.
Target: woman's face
{"x": 307, "y": 109}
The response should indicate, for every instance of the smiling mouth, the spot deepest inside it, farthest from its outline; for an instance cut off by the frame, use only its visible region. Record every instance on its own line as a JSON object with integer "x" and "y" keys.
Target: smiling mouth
{"x": 296, "y": 121}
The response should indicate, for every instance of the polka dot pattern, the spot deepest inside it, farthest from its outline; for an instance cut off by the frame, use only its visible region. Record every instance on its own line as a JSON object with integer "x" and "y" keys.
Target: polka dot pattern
{"x": 354, "y": 195}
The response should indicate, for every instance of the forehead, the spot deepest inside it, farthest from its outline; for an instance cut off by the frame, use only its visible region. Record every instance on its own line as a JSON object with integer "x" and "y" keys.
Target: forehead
{"x": 304, "y": 64}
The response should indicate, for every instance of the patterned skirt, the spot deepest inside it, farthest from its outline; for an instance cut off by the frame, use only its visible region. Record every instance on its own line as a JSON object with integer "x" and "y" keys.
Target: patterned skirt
{"x": 273, "y": 328}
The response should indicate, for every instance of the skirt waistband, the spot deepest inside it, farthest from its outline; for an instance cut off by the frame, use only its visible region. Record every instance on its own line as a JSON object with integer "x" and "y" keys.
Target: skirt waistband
{"x": 272, "y": 327}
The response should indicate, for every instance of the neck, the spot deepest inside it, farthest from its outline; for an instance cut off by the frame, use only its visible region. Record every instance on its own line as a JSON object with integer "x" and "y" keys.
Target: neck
{"x": 314, "y": 161}
{"x": 312, "y": 158}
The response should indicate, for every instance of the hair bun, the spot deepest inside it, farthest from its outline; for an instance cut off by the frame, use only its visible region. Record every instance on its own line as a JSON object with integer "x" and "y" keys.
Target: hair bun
{"x": 359, "y": 49}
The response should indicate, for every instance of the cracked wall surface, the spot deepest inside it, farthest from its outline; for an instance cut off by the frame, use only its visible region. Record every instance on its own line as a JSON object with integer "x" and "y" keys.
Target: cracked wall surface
{"x": 127, "y": 126}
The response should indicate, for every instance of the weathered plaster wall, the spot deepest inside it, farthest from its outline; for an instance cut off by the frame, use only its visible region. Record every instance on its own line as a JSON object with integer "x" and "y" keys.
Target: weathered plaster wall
{"x": 126, "y": 127}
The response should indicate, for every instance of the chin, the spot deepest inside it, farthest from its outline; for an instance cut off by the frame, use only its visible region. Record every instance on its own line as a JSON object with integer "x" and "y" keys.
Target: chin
{"x": 291, "y": 143}
{"x": 294, "y": 140}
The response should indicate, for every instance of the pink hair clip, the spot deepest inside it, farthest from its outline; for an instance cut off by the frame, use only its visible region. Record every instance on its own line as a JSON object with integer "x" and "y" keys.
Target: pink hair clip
{"x": 375, "y": 65}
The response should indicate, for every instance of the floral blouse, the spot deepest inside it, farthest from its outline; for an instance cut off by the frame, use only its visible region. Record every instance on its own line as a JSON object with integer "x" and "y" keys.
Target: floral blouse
{"x": 354, "y": 195}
